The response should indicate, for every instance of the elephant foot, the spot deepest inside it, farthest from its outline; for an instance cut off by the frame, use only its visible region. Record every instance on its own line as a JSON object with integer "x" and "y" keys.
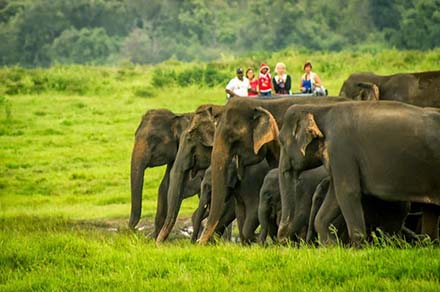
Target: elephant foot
{"x": 357, "y": 239}
{"x": 283, "y": 232}
{"x": 160, "y": 238}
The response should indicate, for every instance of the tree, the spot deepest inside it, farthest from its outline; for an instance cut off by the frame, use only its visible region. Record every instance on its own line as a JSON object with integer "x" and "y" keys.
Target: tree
{"x": 37, "y": 26}
{"x": 85, "y": 46}
{"x": 420, "y": 26}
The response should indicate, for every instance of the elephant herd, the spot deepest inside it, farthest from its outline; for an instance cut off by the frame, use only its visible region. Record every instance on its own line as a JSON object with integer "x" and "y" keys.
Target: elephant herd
{"x": 301, "y": 168}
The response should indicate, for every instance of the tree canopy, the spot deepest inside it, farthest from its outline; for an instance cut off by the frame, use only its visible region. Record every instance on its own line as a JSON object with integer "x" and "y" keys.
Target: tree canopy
{"x": 46, "y": 32}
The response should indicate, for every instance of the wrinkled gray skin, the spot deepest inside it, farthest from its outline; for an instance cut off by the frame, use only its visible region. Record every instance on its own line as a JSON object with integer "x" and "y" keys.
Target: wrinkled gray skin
{"x": 202, "y": 210}
{"x": 421, "y": 89}
{"x": 244, "y": 192}
{"x": 361, "y": 146}
{"x": 305, "y": 188}
{"x": 247, "y": 130}
{"x": 156, "y": 143}
{"x": 247, "y": 197}
{"x": 269, "y": 208}
{"x": 193, "y": 157}
{"x": 389, "y": 217}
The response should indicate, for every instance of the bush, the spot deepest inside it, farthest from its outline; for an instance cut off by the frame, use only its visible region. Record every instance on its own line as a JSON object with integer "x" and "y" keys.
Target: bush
{"x": 214, "y": 77}
{"x": 15, "y": 81}
{"x": 161, "y": 78}
{"x": 190, "y": 76}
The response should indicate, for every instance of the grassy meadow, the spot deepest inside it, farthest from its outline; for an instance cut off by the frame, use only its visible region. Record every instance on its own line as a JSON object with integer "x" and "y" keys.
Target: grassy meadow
{"x": 65, "y": 143}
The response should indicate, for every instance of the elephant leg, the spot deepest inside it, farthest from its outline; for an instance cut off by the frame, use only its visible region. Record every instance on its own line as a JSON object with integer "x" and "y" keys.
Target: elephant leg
{"x": 251, "y": 221}
{"x": 198, "y": 216}
{"x": 326, "y": 215}
{"x": 318, "y": 199}
{"x": 161, "y": 209}
{"x": 240, "y": 214}
{"x": 227, "y": 234}
{"x": 430, "y": 221}
{"x": 345, "y": 179}
{"x": 200, "y": 213}
{"x": 273, "y": 229}
{"x": 301, "y": 214}
{"x": 264, "y": 212}
{"x": 287, "y": 182}
{"x": 408, "y": 234}
{"x": 227, "y": 218}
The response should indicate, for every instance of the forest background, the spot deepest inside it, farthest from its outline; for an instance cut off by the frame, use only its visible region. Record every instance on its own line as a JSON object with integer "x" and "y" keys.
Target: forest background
{"x": 46, "y": 32}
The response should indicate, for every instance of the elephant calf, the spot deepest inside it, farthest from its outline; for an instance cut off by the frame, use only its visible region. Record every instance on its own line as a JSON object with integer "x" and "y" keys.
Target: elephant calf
{"x": 203, "y": 209}
{"x": 243, "y": 193}
{"x": 270, "y": 202}
{"x": 389, "y": 217}
{"x": 269, "y": 208}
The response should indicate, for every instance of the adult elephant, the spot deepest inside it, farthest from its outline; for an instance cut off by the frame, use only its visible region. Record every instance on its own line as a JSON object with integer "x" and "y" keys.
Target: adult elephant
{"x": 421, "y": 89}
{"x": 193, "y": 156}
{"x": 156, "y": 143}
{"x": 388, "y": 150}
{"x": 247, "y": 130}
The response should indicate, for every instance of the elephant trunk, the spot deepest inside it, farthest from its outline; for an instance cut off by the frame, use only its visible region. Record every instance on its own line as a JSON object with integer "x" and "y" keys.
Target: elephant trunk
{"x": 220, "y": 159}
{"x": 287, "y": 184}
{"x": 174, "y": 198}
{"x": 138, "y": 165}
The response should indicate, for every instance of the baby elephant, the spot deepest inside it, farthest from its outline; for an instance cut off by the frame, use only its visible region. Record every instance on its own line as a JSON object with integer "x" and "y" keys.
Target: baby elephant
{"x": 389, "y": 217}
{"x": 203, "y": 209}
{"x": 241, "y": 202}
{"x": 269, "y": 209}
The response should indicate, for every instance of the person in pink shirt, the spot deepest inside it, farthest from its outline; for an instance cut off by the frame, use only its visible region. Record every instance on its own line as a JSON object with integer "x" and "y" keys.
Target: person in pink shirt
{"x": 265, "y": 81}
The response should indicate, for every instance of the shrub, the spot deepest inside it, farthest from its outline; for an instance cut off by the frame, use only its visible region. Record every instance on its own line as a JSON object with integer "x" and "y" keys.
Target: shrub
{"x": 161, "y": 78}
{"x": 213, "y": 76}
{"x": 190, "y": 76}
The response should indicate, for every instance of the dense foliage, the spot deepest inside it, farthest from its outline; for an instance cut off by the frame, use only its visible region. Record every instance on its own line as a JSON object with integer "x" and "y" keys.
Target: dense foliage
{"x": 46, "y": 32}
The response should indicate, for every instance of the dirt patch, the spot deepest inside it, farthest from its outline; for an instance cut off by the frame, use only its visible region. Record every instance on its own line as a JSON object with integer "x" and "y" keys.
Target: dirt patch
{"x": 182, "y": 228}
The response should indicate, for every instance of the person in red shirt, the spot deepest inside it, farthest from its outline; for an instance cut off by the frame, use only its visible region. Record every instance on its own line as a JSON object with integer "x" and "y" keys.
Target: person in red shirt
{"x": 253, "y": 82}
{"x": 265, "y": 81}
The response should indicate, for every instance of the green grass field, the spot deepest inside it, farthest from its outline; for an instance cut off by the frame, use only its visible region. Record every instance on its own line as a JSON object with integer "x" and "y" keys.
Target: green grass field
{"x": 65, "y": 142}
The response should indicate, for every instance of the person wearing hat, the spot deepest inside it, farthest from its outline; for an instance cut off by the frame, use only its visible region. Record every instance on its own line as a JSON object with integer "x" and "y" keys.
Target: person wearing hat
{"x": 310, "y": 81}
{"x": 265, "y": 80}
{"x": 237, "y": 86}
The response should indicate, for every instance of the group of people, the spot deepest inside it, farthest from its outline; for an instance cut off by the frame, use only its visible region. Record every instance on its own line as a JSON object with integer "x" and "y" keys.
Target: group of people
{"x": 247, "y": 84}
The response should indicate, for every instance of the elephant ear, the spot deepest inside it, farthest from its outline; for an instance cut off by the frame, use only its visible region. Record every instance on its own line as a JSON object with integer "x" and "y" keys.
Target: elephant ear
{"x": 265, "y": 128}
{"x": 179, "y": 124}
{"x": 206, "y": 126}
{"x": 369, "y": 91}
{"x": 306, "y": 131}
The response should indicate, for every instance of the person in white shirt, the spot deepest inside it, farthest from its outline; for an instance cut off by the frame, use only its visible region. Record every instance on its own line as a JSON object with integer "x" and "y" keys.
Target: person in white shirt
{"x": 237, "y": 86}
